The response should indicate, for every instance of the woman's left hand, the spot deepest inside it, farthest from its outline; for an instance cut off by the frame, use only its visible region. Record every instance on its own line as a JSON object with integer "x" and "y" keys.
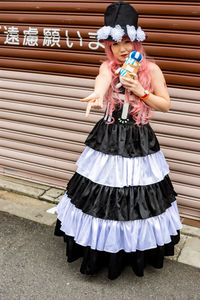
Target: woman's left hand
{"x": 133, "y": 85}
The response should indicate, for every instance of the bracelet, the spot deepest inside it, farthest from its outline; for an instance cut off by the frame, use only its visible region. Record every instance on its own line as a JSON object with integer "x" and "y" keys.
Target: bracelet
{"x": 146, "y": 95}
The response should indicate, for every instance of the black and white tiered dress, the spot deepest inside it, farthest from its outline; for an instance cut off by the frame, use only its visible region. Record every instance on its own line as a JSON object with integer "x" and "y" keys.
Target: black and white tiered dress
{"x": 119, "y": 207}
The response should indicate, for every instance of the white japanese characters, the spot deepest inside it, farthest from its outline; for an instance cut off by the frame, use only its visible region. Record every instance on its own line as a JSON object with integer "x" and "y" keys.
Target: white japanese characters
{"x": 95, "y": 44}
{"x": 12, "y": 35}
{"x": 51, "y": 38}
{"x": 69, "y": 45}
{"x": 30, "y": 37}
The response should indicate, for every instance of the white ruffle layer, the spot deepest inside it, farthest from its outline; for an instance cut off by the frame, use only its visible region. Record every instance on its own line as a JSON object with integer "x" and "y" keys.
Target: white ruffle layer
{"x": 118, "y": 171}
{"x": 118, "y": 32}
{"x": 113, "y": 236}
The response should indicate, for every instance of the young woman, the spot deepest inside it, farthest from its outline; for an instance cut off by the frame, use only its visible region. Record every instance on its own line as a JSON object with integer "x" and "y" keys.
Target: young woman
{"x": 119, "y": 207}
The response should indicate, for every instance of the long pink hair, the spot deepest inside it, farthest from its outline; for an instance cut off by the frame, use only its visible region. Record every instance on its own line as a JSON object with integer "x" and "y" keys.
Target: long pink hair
{"x": 140, "y": 112}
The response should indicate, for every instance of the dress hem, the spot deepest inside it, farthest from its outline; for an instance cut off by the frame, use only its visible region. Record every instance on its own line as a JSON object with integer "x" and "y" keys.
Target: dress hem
{"x": 94, "y": 260}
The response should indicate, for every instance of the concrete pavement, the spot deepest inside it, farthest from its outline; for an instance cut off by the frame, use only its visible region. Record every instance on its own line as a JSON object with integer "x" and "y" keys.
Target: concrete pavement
{"x": 33, "y": 267}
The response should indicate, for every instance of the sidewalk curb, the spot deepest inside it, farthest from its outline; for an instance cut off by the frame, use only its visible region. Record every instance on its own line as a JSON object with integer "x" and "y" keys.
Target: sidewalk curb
{"x": 31, "y": 189}
{"x": 27, "y": 207}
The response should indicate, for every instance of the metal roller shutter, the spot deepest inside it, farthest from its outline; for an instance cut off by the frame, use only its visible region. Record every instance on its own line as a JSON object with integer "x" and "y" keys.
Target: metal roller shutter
{"x": 178, "y": 133}
{"x": 43, "y": 127}
{"x": 172, "y": 28}
{"x": 42, "y": 122}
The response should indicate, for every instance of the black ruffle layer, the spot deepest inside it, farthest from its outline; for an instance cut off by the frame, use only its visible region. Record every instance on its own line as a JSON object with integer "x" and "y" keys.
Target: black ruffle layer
{"x": 94, "y": 260}
{"x": 121, "y": 204}
{"x": 127, "y": 140}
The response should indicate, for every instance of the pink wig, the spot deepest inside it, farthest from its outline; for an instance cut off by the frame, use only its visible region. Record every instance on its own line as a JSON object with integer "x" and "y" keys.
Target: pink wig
{"x": 139, "y": 110}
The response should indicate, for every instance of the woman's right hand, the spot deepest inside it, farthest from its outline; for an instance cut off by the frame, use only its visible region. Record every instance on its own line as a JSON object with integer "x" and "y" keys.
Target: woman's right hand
{"x": 94, "y": 100}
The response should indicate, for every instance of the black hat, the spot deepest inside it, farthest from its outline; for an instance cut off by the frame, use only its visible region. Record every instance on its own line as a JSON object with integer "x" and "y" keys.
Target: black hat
{"x": 120, "y": 19}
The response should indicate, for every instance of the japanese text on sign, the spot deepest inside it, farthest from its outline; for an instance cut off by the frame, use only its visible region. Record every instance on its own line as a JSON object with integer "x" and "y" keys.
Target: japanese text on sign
{"x": 51, "y": 37}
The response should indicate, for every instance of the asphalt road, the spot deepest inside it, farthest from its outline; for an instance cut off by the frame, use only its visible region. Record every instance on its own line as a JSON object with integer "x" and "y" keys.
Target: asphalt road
{"x": 33, "y": 266}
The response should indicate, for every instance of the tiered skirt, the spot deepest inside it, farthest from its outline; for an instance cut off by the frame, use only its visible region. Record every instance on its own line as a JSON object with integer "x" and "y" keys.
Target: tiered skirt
{"x": 119, "y": 207}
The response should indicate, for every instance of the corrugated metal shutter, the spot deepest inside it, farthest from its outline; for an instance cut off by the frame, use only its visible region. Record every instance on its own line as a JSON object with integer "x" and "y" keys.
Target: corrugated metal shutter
{"x": 43, "y": 127}
{"x": 172, "y": 28}
{"x": 178, "y": 133}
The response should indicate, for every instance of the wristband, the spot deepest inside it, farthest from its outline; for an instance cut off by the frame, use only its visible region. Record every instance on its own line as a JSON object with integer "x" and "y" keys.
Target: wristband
{"x": 146, "y": 95}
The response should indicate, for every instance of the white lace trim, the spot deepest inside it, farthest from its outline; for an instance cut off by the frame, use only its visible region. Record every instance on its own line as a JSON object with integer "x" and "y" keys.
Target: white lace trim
{"x": 131, "y": 32}
{"x": 140, "y": 35}
{"x": 118, "y": 32}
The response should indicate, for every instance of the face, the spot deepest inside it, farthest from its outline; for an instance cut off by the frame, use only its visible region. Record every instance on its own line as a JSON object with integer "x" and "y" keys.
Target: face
{"x": 122, "y": 49}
